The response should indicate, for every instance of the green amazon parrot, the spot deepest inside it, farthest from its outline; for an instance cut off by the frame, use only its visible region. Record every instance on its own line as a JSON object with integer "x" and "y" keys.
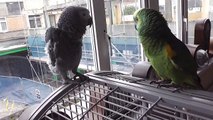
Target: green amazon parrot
{"x": 169, "y": 56}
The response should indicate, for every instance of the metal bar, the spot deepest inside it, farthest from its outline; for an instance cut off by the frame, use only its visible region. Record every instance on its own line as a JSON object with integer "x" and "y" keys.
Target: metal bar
{"x": 134, "y": 98}
{"x": 70, "y": 109}
{"x": 154, "y": 117}
{"x": 101, "y": 115}
{"x": 60, "y": 114}
{"x": 115, "y": 112}
{"x": 184, "y": 112}
{"x": 98, "y": 102}
{"x": 89, "y": 96}
{"x": 150, "y": 108}
{"x": 124, "y": 107}
{"x": 85, "y": 97}
{"x": 70, "y": 105}
{"x": 34, "y": 70}
{"x": 125, "y": 111}
{"x": 50, "y": 100}
{"x": 48, "y": 117}
{"x": 75, "y": 102}
{"x": 80, "y": 101}
{"x": 129, "y": 102}
{"x": 117, "y": 98}
{"x": 176, "y": 99}
{"x": 170, "y": 111}
{"x": 89, "y": 90}
{"x": 129, "y": 112}
{"x": 168, "y": 115}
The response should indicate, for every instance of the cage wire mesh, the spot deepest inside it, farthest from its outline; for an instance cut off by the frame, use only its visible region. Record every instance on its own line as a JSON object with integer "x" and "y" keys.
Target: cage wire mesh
{"x": 106, "y": 98}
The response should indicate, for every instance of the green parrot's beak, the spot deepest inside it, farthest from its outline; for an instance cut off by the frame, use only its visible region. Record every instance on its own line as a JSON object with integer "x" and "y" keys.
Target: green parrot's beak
{"x": 135, "y": 20}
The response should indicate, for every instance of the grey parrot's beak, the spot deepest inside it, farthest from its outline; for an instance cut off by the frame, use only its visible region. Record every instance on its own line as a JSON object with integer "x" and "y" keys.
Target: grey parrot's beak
{"x": 90, "y": 22}
{"x": 136, "y": 27}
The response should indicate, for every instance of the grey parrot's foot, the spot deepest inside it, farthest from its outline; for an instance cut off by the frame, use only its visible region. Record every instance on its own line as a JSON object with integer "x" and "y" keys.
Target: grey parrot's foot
{"x": 80, "y": 77}
{"x": 70, "y": 81}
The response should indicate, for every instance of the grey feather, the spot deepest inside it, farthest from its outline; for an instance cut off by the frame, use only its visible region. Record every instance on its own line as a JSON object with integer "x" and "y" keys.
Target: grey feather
{"x": 64, "y": 44}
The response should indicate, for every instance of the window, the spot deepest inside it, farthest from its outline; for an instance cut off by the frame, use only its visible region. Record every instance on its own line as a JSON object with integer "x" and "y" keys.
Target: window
{"x": 198, "y": 10}
{"x": 126, "y": 49}
{"x": 36, "y": 36}
{"x": 3, "y": 25}
{"x": 35, "y": 21}
{"x": 168, "y": 9}
{"x": 52, "y": 20}
{"x": 194, "y": 6}
{"x": 14, "y": 8}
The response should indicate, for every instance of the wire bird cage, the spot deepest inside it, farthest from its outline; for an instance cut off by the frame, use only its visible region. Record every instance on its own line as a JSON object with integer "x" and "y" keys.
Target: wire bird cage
{"x": 114, "y": 96}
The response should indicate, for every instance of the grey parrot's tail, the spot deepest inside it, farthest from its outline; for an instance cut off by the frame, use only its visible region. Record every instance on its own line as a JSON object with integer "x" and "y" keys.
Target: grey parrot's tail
{"x": 50, "y": 63}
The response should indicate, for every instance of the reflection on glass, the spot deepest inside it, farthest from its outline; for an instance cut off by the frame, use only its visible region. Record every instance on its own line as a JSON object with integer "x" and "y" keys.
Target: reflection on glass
{"x": 198, "y": 10}
{"x": 126, "y": 50}
{"x": 168, "y": 9}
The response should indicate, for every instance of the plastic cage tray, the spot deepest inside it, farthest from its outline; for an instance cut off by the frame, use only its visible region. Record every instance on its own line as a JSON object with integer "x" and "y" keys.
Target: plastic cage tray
{"x": 114, "y": 96}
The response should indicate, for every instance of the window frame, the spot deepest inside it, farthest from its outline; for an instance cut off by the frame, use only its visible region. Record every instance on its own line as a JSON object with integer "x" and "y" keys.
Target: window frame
{"x": 1, "y": 21}
{"x": 19, "y": 5}
{"x": 34, "y": 19}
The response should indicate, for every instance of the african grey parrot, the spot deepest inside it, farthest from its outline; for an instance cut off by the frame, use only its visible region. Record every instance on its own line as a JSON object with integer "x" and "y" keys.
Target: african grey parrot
{"x": 64, "y": 43}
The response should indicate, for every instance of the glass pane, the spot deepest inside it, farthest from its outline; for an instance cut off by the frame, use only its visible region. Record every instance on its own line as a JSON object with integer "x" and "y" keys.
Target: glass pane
{"x": 32, "y": 23}
{"x": 20, "y": 40}
{"x": 126, "y": 49}
{"x": 168, "y": 9}
{"x": 198, "y": 10}
{"x": 52, "y": 20}
{"x": 14, "y": 8}
{"x": 38, "y": 22}
{"x": 37, "y": 43}
{"x": 3, "y": 26}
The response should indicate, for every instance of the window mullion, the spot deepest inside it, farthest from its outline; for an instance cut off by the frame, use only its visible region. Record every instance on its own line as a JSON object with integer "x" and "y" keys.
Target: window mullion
{"x": 100, "y": 43}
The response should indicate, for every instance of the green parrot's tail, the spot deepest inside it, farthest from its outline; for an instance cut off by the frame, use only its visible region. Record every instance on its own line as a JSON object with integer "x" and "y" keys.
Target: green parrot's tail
{"x": 194, "y": 83}
{"x": 198, "y": 84}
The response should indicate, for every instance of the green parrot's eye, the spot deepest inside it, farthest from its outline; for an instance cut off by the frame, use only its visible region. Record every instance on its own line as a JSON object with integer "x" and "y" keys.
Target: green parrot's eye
{"x": 136, "y": 19}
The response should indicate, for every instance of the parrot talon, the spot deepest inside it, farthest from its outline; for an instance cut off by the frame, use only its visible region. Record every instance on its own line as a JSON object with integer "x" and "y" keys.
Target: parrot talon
{"x": 159, "y": 81}
{"x": 77, "y": 82}
{"x": 135, "y": 81}
{"x": 176, "y": 87}
{"x": 177, "y": 90}
{"x": 80, "y": 77}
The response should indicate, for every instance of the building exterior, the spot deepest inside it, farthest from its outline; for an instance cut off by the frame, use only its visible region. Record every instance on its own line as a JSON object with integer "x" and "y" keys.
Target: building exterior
{"x": 12, "y": 22}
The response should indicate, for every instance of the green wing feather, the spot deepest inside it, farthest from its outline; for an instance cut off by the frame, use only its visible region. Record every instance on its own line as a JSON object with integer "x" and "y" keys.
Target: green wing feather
{"x": 183, "y": 58}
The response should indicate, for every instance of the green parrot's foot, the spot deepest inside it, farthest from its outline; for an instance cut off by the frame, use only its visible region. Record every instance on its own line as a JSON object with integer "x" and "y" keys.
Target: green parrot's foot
{"x": 159, "y": 81}
{"x": 177, "y": 89}
{"x": 171, "y": 85}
